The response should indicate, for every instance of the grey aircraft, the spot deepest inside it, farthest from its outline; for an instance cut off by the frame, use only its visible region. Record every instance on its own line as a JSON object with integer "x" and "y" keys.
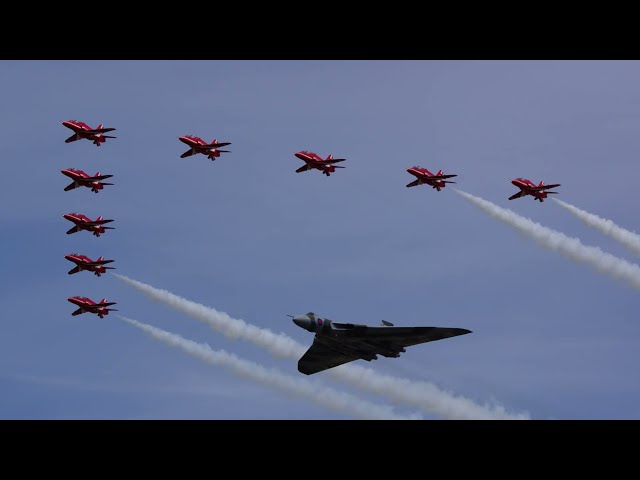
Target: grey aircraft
{"x": 337, "y": 343}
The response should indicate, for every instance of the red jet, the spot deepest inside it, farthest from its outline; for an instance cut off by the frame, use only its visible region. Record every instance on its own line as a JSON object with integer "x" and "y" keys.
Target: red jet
{"x": 85, "y": 223}
{"x": 197, "y": 145}
{"x": 423, "y": 175}
{"x": 527, "y": 187}
{"x": 326, "y": 165}
{"x": 89, "y": 306}
{"x": 81, "y": 179}
{"x": 85, "y": 263}
{"x": 82, "y": 130}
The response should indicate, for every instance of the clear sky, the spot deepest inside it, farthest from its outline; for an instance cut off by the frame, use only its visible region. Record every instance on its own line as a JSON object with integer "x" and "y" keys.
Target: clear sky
{"x": 249, "y": 236}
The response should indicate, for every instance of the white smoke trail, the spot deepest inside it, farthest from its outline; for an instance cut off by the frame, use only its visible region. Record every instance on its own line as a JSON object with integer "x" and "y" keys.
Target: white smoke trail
{"x": 572, "y": 248}
{"x": 629, "y": 239}
{"x": 325, "y": 396}
{"x": 424, "y": 395}
{"x": 279, "y": 345}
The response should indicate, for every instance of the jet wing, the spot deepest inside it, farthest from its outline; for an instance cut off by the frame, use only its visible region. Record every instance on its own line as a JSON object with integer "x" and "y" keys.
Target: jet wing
{"x": 350, "y": 333}
{"x": 71, "y": 186}
{"x": 333, "y": 160}
{"x": 101, "y": 262}
{"x": 441, "y": 177}
{"x": 320, "y": 357}
{"x": 98, "y": 131}
{"x": 97, "y": 178}
{"x": 544, "y": 187}
{"x": 365, "y": 342}
{"x": 77, "y": 312}
{"x": 414, "y": 183}
{"x": 407, "y": 336}
{"x": 214, "y": 146}
{"x": 304, "y": 168}
{"x": 95, "y": 223}
{"x": 521, "y": 193}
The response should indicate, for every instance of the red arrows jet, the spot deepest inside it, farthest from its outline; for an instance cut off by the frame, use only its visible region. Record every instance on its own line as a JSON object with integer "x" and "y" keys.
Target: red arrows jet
{"x": 326, "y": 165}
{"x": 89, "y": 306}
{"x": 527, "y": 187}
{"x": 85, "y": 223}
{"x": 423, "y": 175}
{"x": 85, "y": 263}
{"x": 82, "y": 130}
{"x": 197, "y": 145}
{"x": 81, "y": 179}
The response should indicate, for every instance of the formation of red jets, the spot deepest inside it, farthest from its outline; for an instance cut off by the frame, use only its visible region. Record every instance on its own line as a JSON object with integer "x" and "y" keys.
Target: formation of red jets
{"x": 213, "y": 150}
{"x": 82, "y": 222}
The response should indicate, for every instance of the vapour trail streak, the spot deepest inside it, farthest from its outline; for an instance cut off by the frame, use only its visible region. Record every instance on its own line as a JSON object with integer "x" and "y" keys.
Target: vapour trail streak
{"x": 629, "y": 239}
{"x": 272, "y": 378}
{"x": 572, "y": 248}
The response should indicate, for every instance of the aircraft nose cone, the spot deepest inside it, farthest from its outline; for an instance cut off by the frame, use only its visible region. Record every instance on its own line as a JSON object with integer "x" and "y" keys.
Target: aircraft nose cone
{"x": 303, "y": 321}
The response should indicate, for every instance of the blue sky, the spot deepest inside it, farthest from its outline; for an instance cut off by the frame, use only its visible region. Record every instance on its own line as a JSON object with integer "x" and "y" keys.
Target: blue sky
{"x": 247, "y": 235}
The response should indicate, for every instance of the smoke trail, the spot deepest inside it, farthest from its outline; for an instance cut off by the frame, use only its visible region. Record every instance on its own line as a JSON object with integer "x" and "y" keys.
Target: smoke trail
{"x": 424, "y": 395}
{"x": 325, "y": 396}
{"x": 629, "y": 239}
{"x": 279, "y": 345}
{"x": 569, "y": 247}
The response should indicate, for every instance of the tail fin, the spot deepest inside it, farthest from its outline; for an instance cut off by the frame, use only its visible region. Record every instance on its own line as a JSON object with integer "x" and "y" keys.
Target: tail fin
{"x": 100, "y": 126}
{"x": 541, "y": 183}
{"x": 439, "y": 173}
{"x": 214, "y": 141}
{"x": 330, "y": 157}
{"x": 100, "y": 259}
{"x": 103, "y": 300}
{"x": 99, "y": 218}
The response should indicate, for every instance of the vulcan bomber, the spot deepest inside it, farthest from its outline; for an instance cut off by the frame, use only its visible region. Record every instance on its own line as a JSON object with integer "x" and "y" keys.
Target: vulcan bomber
{"x": 338, "y": 343}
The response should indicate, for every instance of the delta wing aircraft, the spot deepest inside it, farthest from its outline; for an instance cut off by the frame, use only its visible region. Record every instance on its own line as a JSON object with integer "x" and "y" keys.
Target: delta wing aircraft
{"x": 337, "y": 343}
